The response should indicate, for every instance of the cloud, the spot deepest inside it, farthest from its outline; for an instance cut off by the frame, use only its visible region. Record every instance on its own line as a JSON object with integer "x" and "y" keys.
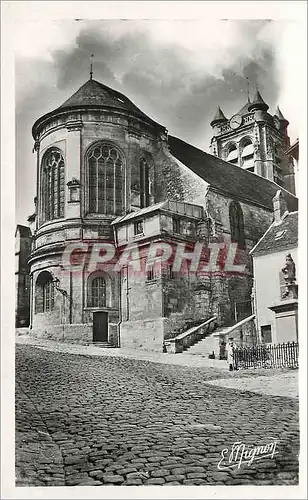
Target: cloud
{"x": 38, "y": 39}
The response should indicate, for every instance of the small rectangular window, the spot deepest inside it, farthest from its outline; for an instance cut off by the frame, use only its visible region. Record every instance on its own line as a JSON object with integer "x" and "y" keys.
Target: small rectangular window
{"x": 153, "y": 273}
{"x": 138, "y": 228}
{"x": 150, "y": 275}
{"x": 176, "y": 225}
{"x": 266, "y": 334}
{"x": 170, "y": 272}
{"x": 74, "y": 194}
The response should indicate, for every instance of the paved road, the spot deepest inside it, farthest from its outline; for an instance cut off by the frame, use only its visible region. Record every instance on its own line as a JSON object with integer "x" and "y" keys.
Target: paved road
{"x": 109, "y": 420}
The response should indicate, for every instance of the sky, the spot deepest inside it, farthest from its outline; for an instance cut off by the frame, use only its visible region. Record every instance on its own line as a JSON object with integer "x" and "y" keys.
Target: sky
{"x": 176, "y": 71}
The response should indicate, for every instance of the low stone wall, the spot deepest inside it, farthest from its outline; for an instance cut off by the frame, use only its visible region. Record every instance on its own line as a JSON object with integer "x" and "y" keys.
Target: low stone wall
{"x": 75, "y": 333}
{"x": 79, "y": 334}
{"x": 143, "y": 334}
{"x": 243, "y": 335}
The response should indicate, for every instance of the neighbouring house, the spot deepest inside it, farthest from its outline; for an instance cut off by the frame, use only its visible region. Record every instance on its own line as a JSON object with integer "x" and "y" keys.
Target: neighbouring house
{"x": 23, "y": 238}
{"x": 275, "y": 260}
{"x": 106, "y": 172}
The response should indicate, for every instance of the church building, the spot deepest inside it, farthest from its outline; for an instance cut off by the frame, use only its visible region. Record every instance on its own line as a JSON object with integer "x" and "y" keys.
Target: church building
{"x": 106, "y": 172}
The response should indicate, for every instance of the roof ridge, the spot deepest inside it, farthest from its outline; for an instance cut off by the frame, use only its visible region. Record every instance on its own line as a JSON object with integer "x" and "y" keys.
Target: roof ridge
{"x": 232, "y": 165}
{"x": 226, "y": 177}
{"x": 268, "y": 242}
{"x": 262, "y": 237}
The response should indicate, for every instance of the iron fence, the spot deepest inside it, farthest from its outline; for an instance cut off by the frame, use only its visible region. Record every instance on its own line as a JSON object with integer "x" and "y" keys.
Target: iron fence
{"x": 267, "y": 356}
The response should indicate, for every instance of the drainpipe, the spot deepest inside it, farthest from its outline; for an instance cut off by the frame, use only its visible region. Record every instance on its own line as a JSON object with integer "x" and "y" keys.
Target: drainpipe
{"x": 127, "y": 295}
{"x": 255, "y": 309}
{"x": 31, "y": 302}
{"x": 119, "y": 290}
{"x": 120, "y": 308}
{"x": 71, "y": 300}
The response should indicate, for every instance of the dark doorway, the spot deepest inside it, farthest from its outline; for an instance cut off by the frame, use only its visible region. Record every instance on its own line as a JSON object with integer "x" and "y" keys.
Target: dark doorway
{"x": 100, "y": 327}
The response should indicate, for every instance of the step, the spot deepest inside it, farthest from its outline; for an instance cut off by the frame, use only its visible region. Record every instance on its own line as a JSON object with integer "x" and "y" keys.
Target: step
{"x": 205, "y": 346}
{"x": 102, "y": 344}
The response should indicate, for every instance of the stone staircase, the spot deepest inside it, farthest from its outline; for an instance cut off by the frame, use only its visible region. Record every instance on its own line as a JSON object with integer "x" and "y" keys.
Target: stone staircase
{"x": 193, "y": 335}
{"x": 207, "y": 345}
{"x": 210, "y": 344}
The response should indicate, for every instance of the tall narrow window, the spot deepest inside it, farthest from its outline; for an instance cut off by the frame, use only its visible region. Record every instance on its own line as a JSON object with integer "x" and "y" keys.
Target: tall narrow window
{"x": 248, "y": 155}
{"x": 105, "y": 180}
{"x": 144, "y": 183}
{"x": 44, "y": 293}
{"x": 237, "y": 224}
{"x": 232, "y": 155}
{"x": 176, "y": 225}
{"x": 138, "y": 228}
{"x": 52, "y": 185}
{"x": 97, "y": 292}
{"x": 48, "y": 296}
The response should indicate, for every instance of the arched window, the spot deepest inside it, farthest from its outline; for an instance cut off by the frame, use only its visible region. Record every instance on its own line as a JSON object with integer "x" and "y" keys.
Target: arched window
{"x": 52, "y": 185}
{"x": 237, "y": 224}
{"x": 247, "y": 155}
{"x": 105, "y": 180}
{"x": 144, "y": 183}
{"x": 44, "y": 293}
{"x": 97, "y": 291}
{"x": 232, "y": 155}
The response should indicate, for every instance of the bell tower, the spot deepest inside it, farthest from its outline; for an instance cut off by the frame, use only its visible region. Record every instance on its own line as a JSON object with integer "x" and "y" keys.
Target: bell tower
{"x": 255, "y": 140}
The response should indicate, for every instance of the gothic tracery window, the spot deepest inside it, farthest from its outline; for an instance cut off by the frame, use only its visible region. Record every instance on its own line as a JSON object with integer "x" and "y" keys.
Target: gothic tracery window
{"x": 105, "y": 179}
{"x": 237, "y": 224}
{"x": 52, "y": 185}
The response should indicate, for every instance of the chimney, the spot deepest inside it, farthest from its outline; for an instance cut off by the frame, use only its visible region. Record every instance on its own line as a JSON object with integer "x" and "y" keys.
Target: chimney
{"x": 280, "y": 206}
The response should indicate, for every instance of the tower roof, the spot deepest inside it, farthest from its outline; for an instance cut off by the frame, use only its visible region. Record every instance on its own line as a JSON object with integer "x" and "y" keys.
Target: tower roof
{"x": 258, "y": 102}
{"x": 219, "y": 117}
{"x": 24, "y": 231}
{"x": 244, "y": 110}
{"x": 93, "y": 94}
{"x": 280, "y": 115}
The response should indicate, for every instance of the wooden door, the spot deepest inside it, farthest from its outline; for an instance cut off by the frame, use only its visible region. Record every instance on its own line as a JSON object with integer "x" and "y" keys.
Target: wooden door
{"x": 100, "y": 327}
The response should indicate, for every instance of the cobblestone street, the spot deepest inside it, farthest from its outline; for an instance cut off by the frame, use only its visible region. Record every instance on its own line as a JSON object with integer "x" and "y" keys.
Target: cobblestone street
{"x": 83, "y": 420}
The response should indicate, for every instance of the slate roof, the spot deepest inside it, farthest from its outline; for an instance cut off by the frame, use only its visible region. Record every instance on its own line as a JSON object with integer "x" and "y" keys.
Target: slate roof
{"x": 258, "y": 101}
{"x": 24, "y": 231}
{"x": 229, "y": 179}
{"x": 244, "y": 110}
{"x": 293, "y": 150}
{"x": 219, "y": 116}
{"x": 167, "y": 205}
{"x": 138, "y": 213}
{"x": 279, "y": 114}
{"x": 280, "y": 236}
{"x": 93, "y": 94}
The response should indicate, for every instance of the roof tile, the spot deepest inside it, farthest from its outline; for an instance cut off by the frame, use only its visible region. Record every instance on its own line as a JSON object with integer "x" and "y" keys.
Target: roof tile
{"x": 228, "y": 178}
{"x": 279, "y": 236}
